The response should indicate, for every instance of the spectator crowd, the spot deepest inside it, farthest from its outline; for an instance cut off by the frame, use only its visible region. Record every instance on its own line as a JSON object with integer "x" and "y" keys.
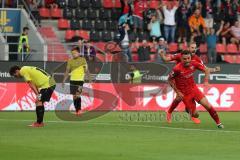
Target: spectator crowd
{"x": 182, "y": 22}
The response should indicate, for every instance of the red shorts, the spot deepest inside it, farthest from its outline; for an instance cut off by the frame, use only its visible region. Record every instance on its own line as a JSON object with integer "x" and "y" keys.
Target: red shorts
{"x": 190, "y": 99}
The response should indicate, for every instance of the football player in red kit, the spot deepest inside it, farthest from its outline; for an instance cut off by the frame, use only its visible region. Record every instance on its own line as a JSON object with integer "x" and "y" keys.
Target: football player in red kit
{"x": 177, "y": 58}
{"x": 182, "y": 81}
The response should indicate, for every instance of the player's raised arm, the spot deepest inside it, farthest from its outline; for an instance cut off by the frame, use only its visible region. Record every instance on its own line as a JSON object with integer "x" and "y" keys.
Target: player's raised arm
{"x": 163, "y": 56}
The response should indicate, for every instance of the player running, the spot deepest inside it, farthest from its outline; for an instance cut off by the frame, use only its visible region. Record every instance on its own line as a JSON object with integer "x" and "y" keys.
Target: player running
{"x": 42, "y": 85}
{"x": 177, "y": 57}
{"x": 182, "y": 81}
{"x": 77, "y": 67}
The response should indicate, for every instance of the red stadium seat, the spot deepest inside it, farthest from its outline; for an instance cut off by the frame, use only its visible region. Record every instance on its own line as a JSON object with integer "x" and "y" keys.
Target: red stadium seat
{"x": 232, "y": 49}
{"x": 100, "y": 57}
{"x": 153, "y": 50}
{"x": 221, "y": 48}
{"x": 203, "y": 48}
{"x": 56, "y": 13}
{"x": 134, "y": 47}
{"x": 154, "y": 4}
{"x": 108, "y": 4}
{"x": 204, "y": 58}
{"x": 69, "y": 34}
{"x": 173, "y": 47}
{"x": 135, "y": 57}
{"x": 109, "y": 57}
{"x": 134, "y": 50}
{"x": 152, "y": 47}
{"x": 84, "y": 34}
{"x": 44, "y": 12}
{"x": 229, "y": 58}
{"x": 117, "y": 49}
{"x": 63, "y": 24}
{"x": 100, "y": 45}
{"x": 238, "y": 59}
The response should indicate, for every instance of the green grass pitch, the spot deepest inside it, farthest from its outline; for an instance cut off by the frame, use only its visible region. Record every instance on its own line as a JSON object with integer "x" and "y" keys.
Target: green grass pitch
{"x": 119, "y": 136}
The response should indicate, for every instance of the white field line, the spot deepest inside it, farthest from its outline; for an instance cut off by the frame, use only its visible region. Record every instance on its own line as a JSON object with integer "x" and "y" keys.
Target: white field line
{"x": 131, "y": 125}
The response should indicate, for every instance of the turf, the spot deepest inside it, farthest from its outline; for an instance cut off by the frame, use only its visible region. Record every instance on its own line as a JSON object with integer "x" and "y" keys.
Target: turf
{"x": 119, "y": 136}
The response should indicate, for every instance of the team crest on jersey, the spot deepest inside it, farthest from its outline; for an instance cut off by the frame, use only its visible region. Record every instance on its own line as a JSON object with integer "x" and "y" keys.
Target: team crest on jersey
{"x": 192, "y": 67}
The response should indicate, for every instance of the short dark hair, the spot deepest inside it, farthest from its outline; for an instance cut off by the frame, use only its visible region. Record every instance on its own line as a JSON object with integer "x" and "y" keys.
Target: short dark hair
{"x": 76, "y": 48}
{"x": 186, "y": 52}
{"x": 25, "y": 28}
{"x": 13, "y": 69}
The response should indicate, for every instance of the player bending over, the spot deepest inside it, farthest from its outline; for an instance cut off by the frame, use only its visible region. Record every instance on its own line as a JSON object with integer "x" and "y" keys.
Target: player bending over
{"x": 42, "y": 85}
{"x": 182, "y": 81}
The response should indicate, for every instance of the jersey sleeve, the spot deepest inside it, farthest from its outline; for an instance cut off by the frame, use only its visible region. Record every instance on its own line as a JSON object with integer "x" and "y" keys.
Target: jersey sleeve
{"x": 174, "y": 73}
{"x": 198, "y": 59}
{"x": 199, "y": 66}
{"x": 25, "y": 74}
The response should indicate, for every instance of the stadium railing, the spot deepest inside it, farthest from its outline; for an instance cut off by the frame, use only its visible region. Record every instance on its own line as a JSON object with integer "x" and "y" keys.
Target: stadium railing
{"x": 37, "y": 53}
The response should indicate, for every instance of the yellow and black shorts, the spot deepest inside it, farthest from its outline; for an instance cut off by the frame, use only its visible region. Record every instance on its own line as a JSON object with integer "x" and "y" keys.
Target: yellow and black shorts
{"x": 46, "y": 93}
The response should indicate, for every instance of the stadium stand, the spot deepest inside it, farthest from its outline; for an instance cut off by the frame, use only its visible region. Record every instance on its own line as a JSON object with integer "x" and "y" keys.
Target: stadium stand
{"x": 44, "y": 12}
{"x": 56, "y": 50}
{"x": 97, "y": 21}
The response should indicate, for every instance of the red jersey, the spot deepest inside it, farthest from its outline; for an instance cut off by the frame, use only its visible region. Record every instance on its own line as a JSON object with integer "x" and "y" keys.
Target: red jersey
{"x": 183, "y": 76}
{"x": 177, "y": 58}
{"x": 139, "y": 7}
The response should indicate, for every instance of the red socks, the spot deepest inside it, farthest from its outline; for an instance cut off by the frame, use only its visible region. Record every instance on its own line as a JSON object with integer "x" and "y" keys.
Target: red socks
{"x": 214, "y": 115}
{"x": 173, "y": 106}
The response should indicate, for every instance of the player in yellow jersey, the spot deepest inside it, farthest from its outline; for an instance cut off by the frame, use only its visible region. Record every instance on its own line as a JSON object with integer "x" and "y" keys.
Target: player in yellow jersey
{"x": 41, "y": 83}
{"x": 77, "y": 67}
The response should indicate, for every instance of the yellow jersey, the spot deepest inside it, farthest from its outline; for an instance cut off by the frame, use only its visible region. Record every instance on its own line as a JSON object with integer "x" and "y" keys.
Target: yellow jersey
{"x": 76, "y": 67}
{"x": 37, "y": 76}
